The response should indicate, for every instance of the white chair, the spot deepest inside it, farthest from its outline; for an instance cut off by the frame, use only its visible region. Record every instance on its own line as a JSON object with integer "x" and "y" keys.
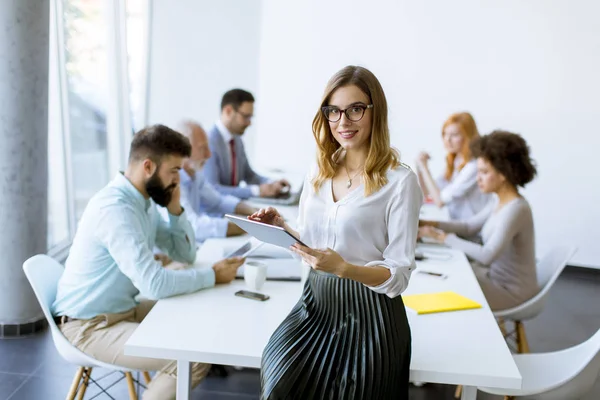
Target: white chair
{"x": 43, "y": 274}
{"x": 548, "y": 270}
{"x": 560, "y": 375}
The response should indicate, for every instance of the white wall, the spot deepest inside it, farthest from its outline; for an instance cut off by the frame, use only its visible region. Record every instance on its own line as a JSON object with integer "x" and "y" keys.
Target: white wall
{"x": 199, "y": 49}
{"x": 527, "y": 66}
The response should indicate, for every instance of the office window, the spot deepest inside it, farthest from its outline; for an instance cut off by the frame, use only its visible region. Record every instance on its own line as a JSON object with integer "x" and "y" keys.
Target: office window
{"x": 86, "y": 65}
{"x": 97, "y": 97}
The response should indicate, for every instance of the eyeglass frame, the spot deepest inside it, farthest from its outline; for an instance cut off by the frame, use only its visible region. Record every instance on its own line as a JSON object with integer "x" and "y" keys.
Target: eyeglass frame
{"x": 364, "y": 107}
{"x": 247, "y": 117}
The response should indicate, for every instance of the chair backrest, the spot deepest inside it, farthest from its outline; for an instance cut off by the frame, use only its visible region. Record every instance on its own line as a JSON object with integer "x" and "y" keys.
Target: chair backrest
{"x": 582, "y": 366}
{"x": 552, "y": 264}
{"x": 43, "y": 273}
{"x": 548, "y": 270}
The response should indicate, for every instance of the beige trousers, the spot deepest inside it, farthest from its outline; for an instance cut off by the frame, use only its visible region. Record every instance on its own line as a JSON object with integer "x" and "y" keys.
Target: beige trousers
{"x": 104, "y": 336}
{"x": 497, "y": 297}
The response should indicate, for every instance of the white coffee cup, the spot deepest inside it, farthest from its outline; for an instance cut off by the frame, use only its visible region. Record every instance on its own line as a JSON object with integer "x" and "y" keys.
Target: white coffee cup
{"x": 255, "y": 274}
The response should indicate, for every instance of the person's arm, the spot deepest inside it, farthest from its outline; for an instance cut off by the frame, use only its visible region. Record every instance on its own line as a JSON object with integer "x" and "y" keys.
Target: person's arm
{"x": 243, "y": 208}
{"x": 429, "y": 185}
{"x": 469, "y": 227}
{"x": 122, "y": 233}
{"x": 503, "y": 233}
{"x": 464, "y": 182}
{"x": 422, "y": 183}
{"x": 213, "y": 202}
{"x": 399, "y": 255}
{"x": 204, "y": 226}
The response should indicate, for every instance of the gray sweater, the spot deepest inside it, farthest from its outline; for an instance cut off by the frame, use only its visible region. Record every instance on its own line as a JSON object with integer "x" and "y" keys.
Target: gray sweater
{"x": 508, "y": 245}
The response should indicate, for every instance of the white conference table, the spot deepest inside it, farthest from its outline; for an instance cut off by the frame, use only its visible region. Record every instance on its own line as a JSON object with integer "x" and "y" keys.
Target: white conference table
{"x": 214, "y": 326}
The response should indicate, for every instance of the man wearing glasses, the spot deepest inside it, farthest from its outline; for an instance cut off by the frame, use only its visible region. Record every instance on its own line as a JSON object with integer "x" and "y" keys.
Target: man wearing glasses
{"x": 229, "y": 165}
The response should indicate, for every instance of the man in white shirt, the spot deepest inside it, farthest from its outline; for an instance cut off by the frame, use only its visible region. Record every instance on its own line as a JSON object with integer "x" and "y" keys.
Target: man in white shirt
{"x": 204, "y": 205}
{"x": 229, "y": 165}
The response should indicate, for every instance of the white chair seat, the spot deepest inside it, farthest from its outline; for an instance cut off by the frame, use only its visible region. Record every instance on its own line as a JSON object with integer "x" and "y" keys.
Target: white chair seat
{"x": 562, "y": 375}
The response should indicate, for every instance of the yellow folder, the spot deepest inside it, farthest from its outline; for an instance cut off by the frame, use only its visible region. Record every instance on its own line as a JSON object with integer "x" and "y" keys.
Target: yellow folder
{"x": 438, "y": 302}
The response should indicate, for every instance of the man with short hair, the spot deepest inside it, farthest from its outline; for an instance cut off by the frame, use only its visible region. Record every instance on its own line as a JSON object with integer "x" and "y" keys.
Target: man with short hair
{"x": 204, "y": 204}
{"x": 111, "y": 259}
{"x": 229, "y": 164}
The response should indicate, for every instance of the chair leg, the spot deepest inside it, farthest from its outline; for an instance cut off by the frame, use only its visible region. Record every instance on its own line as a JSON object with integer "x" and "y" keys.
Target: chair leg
{"x": 84, "y": 385}
{"x": 458, "y": 392}
{"x": 509, "y": 397}
{"x": 502, "y": 326}
{"x": 131, "y": 385}
{"x": 522, "y": 344}
{"x": 147, "y": 377}
{"x": 75, "y": 384}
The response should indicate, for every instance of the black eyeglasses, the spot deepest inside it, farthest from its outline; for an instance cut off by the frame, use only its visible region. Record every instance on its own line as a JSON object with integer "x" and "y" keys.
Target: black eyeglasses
{"x": 244, "y": 115}
{"x": 353, "y": 113}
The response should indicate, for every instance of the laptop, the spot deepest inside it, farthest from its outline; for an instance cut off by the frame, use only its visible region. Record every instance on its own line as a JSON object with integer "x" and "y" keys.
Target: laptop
{"x": 284, "y": 199}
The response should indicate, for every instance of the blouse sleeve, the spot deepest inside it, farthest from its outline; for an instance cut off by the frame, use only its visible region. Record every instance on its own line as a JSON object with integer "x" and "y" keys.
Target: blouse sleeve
{"x": 462, "y": 183}
{"x": 402, "y": 227}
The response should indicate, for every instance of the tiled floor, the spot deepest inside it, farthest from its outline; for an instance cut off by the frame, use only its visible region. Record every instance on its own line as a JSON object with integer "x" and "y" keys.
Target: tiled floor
{"x": 31, "y": 369}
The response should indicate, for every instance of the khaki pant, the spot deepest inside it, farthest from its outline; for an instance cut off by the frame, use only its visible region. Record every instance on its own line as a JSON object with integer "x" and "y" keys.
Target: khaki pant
{"x": 104, "y": 336}
{"x": 497, "y": 297}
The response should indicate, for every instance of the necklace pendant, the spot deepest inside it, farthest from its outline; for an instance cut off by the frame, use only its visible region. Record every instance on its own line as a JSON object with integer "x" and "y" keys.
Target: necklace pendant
{"x": 349, "y": 183}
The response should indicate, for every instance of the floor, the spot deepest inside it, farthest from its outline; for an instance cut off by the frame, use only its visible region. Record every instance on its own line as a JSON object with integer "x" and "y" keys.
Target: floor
{"x": 31, "y": 369}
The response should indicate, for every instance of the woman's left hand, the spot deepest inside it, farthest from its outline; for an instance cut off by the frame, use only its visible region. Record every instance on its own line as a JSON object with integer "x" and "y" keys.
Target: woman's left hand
{"x": 325, "y": 260}
{"x": 433, "y": 233}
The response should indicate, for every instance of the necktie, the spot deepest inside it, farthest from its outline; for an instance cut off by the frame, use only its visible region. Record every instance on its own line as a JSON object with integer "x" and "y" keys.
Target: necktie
{"x": 233, "y": 163}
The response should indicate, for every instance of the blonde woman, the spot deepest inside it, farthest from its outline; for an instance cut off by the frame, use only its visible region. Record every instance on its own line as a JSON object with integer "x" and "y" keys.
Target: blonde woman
{"x": 348, "y": 337}
{"x": 457, "y": 187}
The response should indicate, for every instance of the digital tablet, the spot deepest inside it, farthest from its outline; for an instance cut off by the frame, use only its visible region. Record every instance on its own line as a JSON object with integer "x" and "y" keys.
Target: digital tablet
{"x": 265, "y": 232}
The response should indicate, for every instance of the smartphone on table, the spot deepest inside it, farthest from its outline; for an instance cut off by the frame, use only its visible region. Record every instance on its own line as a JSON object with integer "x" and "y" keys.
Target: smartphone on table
{"x": 252, "y": 295}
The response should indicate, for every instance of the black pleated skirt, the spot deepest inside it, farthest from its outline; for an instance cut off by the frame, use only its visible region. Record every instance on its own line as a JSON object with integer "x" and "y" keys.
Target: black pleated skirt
{"x": 341, "y": 341}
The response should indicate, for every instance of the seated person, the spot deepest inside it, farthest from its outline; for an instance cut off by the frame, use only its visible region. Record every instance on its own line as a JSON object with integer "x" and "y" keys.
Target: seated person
{"x": 205, "y": 206}
{"x": 505, "y": 263}
{"x": 111, "y": 259}
{"x": 457, "y": 187}
{"x": 229, "y": 165}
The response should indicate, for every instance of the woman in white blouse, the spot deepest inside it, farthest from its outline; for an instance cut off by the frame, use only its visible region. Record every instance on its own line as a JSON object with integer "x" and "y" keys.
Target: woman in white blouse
{"x": 457, "y": 187}
{"x": 348, "y": 336}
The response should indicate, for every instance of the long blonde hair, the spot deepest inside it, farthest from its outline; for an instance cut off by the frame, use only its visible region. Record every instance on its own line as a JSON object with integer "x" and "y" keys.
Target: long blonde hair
{"x": 381, "y": 156}
{"x": 468, "y": 129}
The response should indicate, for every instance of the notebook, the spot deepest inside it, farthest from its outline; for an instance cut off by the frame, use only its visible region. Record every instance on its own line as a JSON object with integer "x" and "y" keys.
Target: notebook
{"x": 429, "y": 303}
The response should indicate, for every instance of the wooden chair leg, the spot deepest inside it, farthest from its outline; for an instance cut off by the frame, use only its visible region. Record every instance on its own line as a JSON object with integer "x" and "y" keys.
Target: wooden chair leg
{"x": 502, "y": 326}
{"x": 509, "y": 397}
{"x": 458, "y": 392}
{"x": 75, "y": 384}
{"x": 147, "y": 377}
{"x": 522, "y": 344}
{"x": 131, "y": 385}
{"x": 84, "y": 385}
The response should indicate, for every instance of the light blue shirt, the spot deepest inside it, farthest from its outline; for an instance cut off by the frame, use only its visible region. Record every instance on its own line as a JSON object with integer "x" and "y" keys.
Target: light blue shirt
{"x": 111, "y": 259}
{"x": 205, "y": 206}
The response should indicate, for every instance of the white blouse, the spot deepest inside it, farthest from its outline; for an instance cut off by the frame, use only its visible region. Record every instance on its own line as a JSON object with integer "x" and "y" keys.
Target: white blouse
{"x": 461, "y": 194}
{"x": 378, "y": 230}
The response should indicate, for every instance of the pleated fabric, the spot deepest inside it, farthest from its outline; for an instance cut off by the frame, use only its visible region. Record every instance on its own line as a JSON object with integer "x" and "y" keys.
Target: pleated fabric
{"x": 341, "y": 341}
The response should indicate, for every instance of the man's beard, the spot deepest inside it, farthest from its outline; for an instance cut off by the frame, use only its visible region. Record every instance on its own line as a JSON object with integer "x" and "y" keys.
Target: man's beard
{"x": 158, "y": 192}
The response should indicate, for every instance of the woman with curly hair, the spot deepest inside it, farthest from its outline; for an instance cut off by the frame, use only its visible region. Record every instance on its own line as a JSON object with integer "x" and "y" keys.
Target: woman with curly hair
{"x": 348, "y": 337}
{"x": 505, "y": 263}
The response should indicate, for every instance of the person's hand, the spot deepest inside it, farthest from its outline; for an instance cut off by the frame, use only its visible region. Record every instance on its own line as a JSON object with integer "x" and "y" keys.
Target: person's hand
{"x": 285, "y": 186}
{"x": 422, "y": 159}
{"x": 433, "y": 233}
{"x": 174, "y": 206}
{"x": 269, "y": 189}
{"x": 163, "y": 258}
{"x": 326, "y": 260}
{"x": 226, "y": 269}
{"x": 269, "y": 216}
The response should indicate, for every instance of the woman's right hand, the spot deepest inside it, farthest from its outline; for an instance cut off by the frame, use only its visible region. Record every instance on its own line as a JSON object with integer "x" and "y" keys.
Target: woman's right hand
{"x": 269, "y": 216}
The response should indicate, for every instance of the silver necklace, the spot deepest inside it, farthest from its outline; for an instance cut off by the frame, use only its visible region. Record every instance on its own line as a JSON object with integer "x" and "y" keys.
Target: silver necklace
{"x": 349, "y": 182}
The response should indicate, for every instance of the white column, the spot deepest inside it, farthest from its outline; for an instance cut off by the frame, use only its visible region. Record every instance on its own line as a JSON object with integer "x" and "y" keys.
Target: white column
{"x": 24, "y": 46}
